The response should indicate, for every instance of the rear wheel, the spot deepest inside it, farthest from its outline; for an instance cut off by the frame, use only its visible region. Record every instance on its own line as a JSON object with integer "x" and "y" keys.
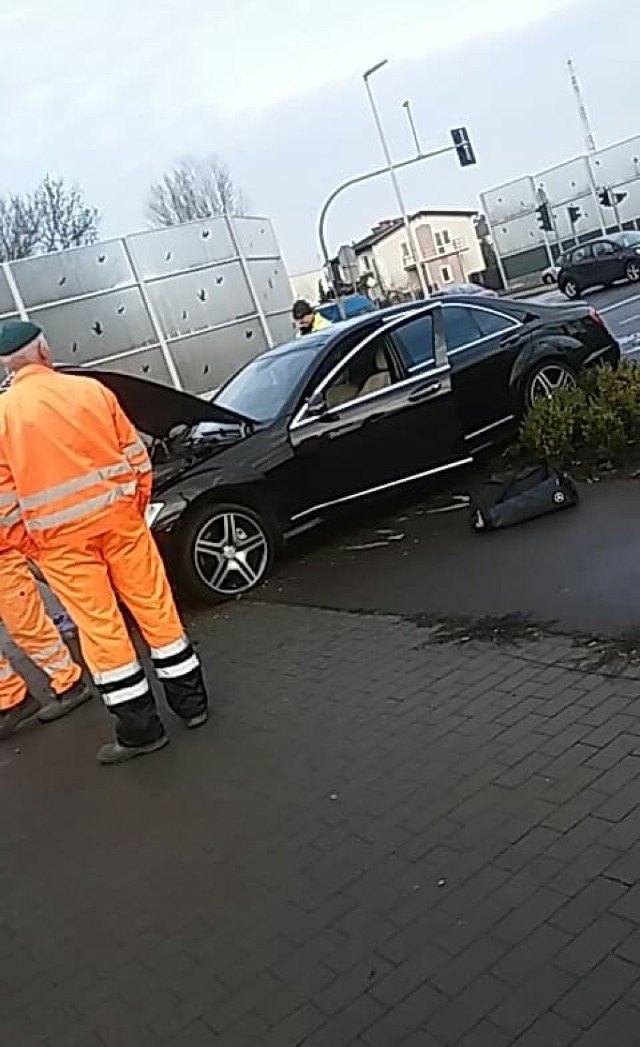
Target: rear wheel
{"x": 571, "y": 289}
{"x": 632, "y": 272}
{"x": 546, "y": 379}
{"x": 226, "y": 550}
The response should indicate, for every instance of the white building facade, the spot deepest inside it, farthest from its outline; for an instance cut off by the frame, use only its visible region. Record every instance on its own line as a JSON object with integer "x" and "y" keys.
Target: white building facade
{"x": 448, "y": 248}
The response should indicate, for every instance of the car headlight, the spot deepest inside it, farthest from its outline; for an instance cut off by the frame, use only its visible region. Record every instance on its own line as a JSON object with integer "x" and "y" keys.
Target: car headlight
{"x": 153, "y": 512}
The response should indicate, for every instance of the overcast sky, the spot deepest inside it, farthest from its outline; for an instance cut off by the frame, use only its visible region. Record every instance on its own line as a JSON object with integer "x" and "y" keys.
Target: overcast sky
{"x": 110, "y": 95}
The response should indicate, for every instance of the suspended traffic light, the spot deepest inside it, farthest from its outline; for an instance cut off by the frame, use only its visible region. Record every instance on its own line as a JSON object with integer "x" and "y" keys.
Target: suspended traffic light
{"x": 463, "y": 147}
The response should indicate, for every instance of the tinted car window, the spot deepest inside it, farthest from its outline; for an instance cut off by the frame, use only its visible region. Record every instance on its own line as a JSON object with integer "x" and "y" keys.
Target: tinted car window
{"x": 460, "y": 326}
{"x": 581, "y": 253}
{"x": 492, "y": 323}
{"x": 602, "y": 249}
{"x": 262, "y": 388}
{"x": 367, "y": 372}
{"x": 415, "y": 341}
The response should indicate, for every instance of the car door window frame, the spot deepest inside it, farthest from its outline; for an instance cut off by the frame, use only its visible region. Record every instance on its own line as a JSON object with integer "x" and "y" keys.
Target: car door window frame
{"x": 513, "y": 326}
{"x": 610, "y": 253}
{"x": 437, "y": 365}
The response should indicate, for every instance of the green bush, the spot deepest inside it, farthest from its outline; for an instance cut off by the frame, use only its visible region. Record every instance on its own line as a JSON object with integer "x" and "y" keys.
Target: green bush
{"x": 595, "y": 423}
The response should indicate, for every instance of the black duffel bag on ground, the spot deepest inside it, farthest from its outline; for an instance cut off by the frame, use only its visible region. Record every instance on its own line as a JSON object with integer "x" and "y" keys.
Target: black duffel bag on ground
{"x": 513, "y": 497}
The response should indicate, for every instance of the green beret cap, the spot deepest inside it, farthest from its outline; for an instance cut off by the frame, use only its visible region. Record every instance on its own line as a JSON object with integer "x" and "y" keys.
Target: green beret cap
{"x": 15, "y": 334}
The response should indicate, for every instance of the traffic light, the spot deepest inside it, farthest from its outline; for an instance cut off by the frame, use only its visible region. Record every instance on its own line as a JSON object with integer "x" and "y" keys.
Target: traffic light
{"x": 608, "y": 198}
{"x": 463, "y": 147}
{"x": 574, "y": 213}
{"x": 544, "y": 217}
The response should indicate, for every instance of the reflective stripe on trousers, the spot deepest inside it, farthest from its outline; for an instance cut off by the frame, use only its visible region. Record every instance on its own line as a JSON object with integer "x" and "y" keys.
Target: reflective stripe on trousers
{"x": 122, "y": 685}
{"x": 174, "y": 659}
{"x": 25, "y": 618}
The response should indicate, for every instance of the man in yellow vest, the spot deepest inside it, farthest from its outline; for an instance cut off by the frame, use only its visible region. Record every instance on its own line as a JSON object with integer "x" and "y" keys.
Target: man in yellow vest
{"x": 308, "y": 322}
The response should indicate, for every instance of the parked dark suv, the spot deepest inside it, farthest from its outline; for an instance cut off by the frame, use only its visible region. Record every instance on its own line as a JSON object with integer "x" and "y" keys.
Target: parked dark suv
{"x": 600, "y": 263}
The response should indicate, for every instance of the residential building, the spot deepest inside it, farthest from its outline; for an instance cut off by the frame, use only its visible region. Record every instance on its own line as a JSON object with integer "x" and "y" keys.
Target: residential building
{"x": 448, "y": 247}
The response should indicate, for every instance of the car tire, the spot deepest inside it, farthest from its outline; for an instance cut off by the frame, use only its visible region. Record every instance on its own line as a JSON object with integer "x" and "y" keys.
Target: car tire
{"x": 548, "y": 280}
{"x": 570, "y": 289}
{"x": 546, "y": 378}
{"x": 225, "y": 551}
{"x": 632, "y": 272}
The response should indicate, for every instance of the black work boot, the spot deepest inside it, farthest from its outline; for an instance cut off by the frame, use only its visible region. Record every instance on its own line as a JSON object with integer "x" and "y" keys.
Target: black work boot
{"x": 13, "y": 719}
{"x": 199, "y": 720}
{"x": 114, "y": 752}
{"x": 65, "y": 703}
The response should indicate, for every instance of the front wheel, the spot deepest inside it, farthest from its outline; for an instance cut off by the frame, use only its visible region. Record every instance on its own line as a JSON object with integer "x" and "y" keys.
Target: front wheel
{"x": 225, "y": 551}
{"x": 571, "y": 289}
{"x": 632, "y": 272}
{"x": 545, "y": 381}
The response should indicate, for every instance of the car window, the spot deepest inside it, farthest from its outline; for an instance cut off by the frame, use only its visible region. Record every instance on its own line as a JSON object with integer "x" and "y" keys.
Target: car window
{"x": 492, "y": 323}
{"x": 460, "y": 326}
{"x": 602, "y": 249}
{"x": 581, "y": 253}
{"x": 369, "y": 371}
{"x": 262, "y": 388}
{"x": 414, "y": 341}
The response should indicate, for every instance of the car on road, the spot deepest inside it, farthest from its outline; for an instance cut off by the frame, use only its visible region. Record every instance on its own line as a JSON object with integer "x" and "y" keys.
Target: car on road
{"x": 466, "y": 289}
{"x": 600, "y": 262}
{"x": 356, "y": 410}
{"x": 352, "y": 305}
{"x": 550, "y": 274}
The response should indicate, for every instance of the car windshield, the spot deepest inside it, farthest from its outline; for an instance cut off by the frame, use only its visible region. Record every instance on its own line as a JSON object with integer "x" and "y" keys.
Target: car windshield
{"x": 261, "y": 390}
{"x": 627, "y": 239}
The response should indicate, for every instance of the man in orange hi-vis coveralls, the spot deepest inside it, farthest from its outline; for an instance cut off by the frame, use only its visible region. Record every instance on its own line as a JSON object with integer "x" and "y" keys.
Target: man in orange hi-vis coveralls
{"x": 24, "y": 616}
{"x": 75, "y": 481}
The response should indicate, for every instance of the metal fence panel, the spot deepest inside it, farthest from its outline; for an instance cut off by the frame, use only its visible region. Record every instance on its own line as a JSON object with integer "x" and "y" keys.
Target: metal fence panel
{"x": 7, "y": 304}
{"x": 96, "y": 327}
{"x": 145, "y": 363}
{"x": 162, "y": 252}
{"x": 205, "y": 361}
{"x": 202, "y": 300}
{"x": 255, "y": 237}
{"x": 271, "y": 284}
{"x": 186, "y": 305}
{"x": 70, "y": 274}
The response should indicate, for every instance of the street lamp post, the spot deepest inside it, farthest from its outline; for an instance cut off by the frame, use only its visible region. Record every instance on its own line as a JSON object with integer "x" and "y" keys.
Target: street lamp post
{"x": 413, "y": 247}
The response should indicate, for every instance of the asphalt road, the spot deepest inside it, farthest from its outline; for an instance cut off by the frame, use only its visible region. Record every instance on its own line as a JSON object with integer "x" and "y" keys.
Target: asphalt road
{"x": 620, "y": 306}
{"x": 578, "y": 571}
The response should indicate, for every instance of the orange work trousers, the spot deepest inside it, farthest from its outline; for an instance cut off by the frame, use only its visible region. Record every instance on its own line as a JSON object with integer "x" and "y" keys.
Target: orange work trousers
{"x": 25, "y": 618}
{"x": 89, "y": 577}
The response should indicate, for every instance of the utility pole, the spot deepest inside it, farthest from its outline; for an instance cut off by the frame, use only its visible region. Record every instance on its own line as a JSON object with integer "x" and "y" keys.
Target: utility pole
{"x": 589, "y": 139}
{"x": 413, "y": 246}
{"x": 412, "y": 124}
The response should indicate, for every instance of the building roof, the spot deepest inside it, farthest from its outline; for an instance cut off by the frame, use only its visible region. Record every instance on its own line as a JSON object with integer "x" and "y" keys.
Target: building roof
{"x": 391, "y": 225}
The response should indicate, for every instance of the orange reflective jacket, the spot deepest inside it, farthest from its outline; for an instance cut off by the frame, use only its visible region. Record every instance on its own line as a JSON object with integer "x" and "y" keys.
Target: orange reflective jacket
{"x": 69, "y": 458}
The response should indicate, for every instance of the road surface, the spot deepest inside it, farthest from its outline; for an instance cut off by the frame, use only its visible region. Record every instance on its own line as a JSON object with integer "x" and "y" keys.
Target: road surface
{"x": 619, "y": 305}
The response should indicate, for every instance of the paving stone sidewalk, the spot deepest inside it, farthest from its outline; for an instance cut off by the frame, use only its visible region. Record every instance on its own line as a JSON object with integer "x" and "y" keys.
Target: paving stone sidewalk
{"x": 380, "y": 841}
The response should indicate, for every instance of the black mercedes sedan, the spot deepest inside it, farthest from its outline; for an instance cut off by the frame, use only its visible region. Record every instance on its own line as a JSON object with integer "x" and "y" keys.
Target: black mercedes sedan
{"x": 361, "y": 408}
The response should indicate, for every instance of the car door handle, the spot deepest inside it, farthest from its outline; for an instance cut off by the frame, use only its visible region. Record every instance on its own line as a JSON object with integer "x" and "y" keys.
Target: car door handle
{"x": 425, "y": 391}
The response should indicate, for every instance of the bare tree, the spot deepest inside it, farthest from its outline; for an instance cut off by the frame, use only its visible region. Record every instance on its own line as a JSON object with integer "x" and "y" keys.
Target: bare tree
{"x": 19, "y": 227}
{"x": 53, "y": 217}
{"x": 195, "y": 188}
{"x": 65, "y": 220}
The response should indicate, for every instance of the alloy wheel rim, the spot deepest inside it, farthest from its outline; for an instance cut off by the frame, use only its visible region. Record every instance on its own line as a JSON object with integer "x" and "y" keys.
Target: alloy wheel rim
{"x": 571, "y": 289}
{"x": 633, "y": 272}
{"x": 549, "y": 380}
{"x": 230, "y": 553}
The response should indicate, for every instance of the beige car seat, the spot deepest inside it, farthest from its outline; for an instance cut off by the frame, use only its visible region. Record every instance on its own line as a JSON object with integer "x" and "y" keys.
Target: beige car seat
{"x": 340, "y": 394}
{"x": 382, "y": 377}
